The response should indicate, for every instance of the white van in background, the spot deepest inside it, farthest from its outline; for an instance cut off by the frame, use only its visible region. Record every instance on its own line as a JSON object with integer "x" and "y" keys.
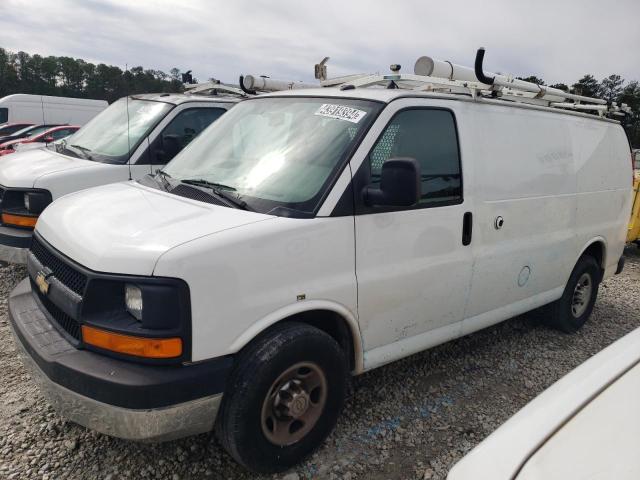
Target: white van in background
{"x": 43, "y": 109}
{"x": 112, "y": 147}
{"x": 310, "y": 235}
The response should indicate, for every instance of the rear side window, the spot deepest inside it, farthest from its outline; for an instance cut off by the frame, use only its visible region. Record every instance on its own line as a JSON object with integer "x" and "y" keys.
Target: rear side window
{"x": 429, "y": 136}
{"x": 4, "y": 115}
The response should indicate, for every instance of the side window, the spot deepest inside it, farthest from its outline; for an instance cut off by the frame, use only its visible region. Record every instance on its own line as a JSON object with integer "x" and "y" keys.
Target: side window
{"x": 4, "y": 115}
{"x": 184, "y": 128}
{"x": 429, "y": 136}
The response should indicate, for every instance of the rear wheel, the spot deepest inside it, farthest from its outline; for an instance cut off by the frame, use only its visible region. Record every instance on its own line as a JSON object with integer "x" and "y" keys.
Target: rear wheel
{"x": 283, "y": 398}
{"x": 574, "y": 308}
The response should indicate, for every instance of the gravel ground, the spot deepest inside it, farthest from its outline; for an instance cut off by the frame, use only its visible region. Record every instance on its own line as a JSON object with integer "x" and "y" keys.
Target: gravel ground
{"x": 412, "y": 419}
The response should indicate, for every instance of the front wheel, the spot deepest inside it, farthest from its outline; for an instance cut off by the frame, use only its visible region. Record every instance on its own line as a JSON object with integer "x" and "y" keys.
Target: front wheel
{"x": 574, "y": 308}
{"x": 283, "y": 397}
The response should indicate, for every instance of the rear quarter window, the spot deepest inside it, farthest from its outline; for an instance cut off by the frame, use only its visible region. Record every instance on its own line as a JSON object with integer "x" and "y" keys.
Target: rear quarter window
{"x": 4, "y": 115}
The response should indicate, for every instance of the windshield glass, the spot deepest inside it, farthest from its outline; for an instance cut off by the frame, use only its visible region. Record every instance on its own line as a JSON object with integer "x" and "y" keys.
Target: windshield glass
{"x": 276, "y": 152}
{"x": 105, "y": 137}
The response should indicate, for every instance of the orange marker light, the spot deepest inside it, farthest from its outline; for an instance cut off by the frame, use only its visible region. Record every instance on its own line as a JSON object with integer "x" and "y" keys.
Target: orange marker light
{"x": 130, "y": 345}
{"x": 19, "y": 220}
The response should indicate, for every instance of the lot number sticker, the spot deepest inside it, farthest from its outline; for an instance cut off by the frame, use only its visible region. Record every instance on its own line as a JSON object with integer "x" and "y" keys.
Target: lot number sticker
{"x": 341, "y": 112}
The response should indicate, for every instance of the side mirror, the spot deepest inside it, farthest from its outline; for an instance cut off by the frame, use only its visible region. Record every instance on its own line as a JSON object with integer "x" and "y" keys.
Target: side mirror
{"x": 170, "y": 148}
{"x": 49, "y": 139}
{"x": 400, "y": 184}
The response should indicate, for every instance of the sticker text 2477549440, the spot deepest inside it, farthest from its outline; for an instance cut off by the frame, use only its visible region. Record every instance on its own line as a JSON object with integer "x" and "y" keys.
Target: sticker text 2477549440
{"x": 341, "y": 112}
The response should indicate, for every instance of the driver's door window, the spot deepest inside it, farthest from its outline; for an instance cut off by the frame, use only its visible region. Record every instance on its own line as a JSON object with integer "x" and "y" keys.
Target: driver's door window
{"x": 181, "y": 130}
{"x": 429, "y": 136}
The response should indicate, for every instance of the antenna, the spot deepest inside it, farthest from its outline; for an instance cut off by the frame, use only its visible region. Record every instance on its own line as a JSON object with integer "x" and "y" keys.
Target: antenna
{"x": 126, "y": 67}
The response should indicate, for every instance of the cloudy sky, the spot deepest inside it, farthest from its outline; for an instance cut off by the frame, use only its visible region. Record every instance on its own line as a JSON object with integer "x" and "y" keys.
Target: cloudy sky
{"x": 558, "y": 40}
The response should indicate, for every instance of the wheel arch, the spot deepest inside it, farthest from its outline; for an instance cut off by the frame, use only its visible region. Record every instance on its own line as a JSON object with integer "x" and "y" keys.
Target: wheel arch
{"x": 597, "y": 248}
{"x": 334, "y": 319}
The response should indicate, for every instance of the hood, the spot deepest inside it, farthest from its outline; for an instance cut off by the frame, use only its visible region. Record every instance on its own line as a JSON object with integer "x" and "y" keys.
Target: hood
{"x": 22, "y": 169}
{"x": 125, "y": 227}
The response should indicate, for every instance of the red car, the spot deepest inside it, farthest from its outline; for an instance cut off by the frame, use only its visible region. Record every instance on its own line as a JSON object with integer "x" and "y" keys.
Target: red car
{"x": 38, "y": 138}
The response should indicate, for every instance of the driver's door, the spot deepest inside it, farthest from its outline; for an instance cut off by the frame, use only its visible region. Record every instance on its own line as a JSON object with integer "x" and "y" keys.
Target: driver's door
{"x": 412, "y": 263}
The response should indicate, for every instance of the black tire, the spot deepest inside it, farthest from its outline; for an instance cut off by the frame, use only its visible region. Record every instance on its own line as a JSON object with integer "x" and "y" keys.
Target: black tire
{"x": 560, "y": 314}
{"x": 239, "y": 425}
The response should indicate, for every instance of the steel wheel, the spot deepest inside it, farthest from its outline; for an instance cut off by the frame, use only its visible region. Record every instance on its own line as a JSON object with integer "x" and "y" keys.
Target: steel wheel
{"x": 294, "y": 404}
{"x": 581, "y": 295}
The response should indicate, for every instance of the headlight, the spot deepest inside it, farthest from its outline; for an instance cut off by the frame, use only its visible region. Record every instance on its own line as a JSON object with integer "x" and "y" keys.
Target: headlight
{"x": 36, "y": 202}
{"x": 133, "y": 300}
{"x": 139, "y": 316}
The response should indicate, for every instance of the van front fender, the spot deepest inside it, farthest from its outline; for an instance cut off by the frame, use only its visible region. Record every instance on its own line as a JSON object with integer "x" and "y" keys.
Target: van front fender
{"x": 289, "y": 311}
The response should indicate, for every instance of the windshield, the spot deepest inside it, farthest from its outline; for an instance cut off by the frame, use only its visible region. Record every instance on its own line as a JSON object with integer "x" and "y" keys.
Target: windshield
{"x": 105, "y": 137}
{"x": 276, "y": 152}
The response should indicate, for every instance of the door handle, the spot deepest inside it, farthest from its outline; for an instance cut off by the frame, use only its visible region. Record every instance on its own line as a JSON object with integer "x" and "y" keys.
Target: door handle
{"x": 467, "y": 228}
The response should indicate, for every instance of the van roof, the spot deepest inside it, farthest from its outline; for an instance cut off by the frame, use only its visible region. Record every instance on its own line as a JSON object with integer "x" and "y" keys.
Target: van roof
{"x": 387, "y": 95}
{"x": 28, "y": 98}
{"x": 180, "y": 98}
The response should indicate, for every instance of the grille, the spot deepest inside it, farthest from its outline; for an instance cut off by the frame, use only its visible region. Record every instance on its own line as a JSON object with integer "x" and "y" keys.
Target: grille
{"x": 196, "y": 194}
{"x": 65, "y": 273}
{"x": 71, "y": 326}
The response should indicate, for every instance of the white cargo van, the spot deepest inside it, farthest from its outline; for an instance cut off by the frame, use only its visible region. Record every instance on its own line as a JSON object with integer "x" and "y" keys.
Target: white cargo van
{"x": 312, "y": 234}
{"x": 111, "y": 148}
{"x": 43, "y": 109}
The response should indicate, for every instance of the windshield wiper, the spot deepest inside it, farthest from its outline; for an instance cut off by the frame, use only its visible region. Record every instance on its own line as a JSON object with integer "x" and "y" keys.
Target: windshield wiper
{"x": 164, "y": 175}
{"x": 85, "y": 151}
{"x": 219, "y": 189}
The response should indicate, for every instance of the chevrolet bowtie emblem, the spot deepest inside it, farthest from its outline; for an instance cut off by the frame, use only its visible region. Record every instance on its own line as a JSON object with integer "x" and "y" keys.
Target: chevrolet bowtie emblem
{"x": 43, "y": 284}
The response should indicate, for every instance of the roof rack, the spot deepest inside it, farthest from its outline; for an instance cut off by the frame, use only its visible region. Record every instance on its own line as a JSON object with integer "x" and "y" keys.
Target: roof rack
{"x": 213, "y": 87}
{"x": 446, "y": 77}
{"x": 255, "y": 84}
{"x": 249, "y": 85}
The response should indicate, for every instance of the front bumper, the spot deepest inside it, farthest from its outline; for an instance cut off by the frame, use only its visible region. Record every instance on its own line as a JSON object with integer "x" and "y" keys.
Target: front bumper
{"x": 14, "y": 244}
{"x": 113, "y": 396}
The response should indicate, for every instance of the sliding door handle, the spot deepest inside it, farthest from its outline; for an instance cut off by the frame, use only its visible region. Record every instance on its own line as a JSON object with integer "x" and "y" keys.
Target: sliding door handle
{"x": 467, "y": 228}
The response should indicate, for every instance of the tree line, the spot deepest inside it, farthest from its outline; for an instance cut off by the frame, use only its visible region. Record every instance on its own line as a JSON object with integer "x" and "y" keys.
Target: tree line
{"x": 73, "y": 77}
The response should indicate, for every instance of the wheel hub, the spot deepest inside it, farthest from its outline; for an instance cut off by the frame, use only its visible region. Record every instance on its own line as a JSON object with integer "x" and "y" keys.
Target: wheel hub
{"x": 294, "y": 403}
{"x": 293, "y": 398}
{"x": 581, "y": 295}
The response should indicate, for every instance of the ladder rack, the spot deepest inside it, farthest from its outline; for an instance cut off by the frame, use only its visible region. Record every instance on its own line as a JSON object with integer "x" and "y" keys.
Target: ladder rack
{"x": 446, "y": 77}
{"x": 213, "y": 87}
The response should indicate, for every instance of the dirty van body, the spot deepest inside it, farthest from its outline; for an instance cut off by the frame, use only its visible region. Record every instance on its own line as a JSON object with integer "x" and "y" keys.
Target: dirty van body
{"x": 113, "y": 147}
{"x": 309, "y": 236}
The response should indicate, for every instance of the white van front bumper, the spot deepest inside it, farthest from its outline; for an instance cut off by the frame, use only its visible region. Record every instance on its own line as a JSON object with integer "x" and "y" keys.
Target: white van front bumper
{"x": 126, "y": 400}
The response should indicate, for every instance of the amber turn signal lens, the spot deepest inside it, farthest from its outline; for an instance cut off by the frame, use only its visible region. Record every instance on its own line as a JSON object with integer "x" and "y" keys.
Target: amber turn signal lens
{"x": 130, "y": 345}
{"x": 19, "y": 220}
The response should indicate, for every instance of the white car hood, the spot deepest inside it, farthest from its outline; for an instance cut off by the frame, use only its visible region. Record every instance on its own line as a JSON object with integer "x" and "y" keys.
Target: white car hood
{"x": 22, "y": 169}
{"x": 125, "y": 227}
